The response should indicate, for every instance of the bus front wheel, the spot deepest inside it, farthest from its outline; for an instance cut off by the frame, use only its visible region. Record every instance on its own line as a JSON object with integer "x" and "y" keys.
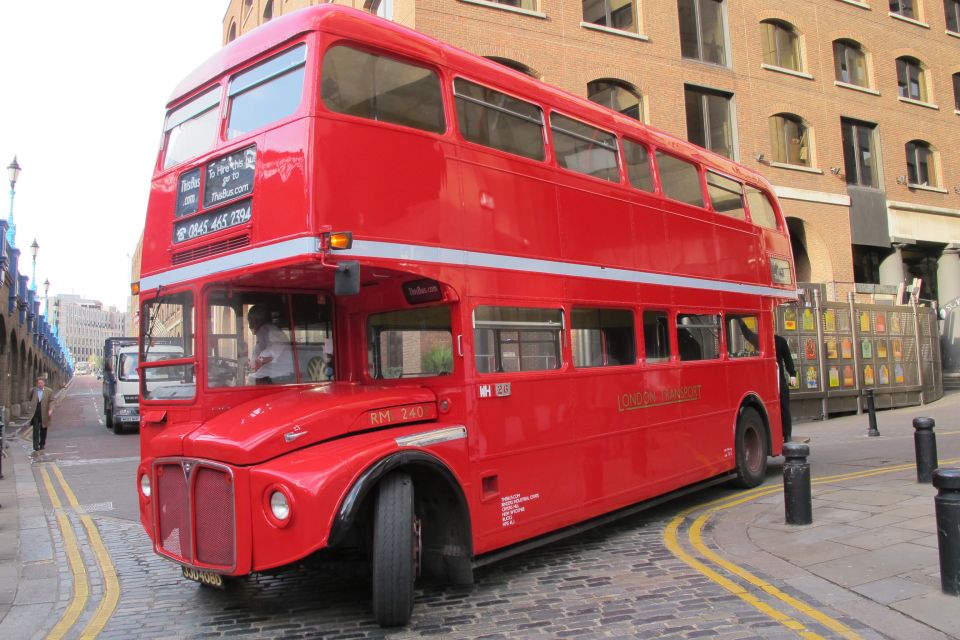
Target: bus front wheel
{"x": 396, "y": 543}
{"x": 751, "y": 449}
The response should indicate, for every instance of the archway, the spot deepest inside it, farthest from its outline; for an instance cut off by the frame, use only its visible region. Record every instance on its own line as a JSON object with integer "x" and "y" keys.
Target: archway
{"x": 811, "y": 256}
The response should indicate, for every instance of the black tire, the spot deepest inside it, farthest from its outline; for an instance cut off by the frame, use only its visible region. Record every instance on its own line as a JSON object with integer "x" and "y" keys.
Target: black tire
{"x": 108, "y": 418}
{"x": 117, "y": 426}
{"x": 394, "y": 555}
{"x": 751, "y": 449}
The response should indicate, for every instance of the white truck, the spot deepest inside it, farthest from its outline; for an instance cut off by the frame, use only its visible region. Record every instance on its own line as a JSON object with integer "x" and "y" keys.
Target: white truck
{"x": 121, "y": 383}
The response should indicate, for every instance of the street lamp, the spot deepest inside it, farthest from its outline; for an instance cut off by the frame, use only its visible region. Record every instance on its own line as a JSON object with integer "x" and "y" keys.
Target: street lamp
{"x": 46, "y": 300}
{"x": 33, "y": 274}
{"x": 13, "y": 172}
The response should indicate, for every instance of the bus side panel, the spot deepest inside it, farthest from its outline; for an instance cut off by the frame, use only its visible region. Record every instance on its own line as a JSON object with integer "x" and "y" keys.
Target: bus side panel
{"x": 653, "y": 252}
{"x": 595, "y": 226}
{"x": 738, "y": 245}
{"x": 692, "y": 241}
{"x": 509, "y": 205}
{"x": 386, "y": 182}
{"x": 527, "y": 442}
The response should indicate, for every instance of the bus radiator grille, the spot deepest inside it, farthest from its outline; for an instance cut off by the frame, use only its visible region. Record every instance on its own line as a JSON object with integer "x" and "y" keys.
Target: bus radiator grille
{"x": 173, "y": 514}
{"x": 213, "y": 502}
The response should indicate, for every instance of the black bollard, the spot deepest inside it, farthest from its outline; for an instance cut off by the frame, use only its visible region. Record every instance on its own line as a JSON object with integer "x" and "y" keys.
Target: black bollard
{"x": 872, "y": 411}
{"x": 947, "y": 503}
{"x": 925, "y": 446}
{"x": 796, "y": 484}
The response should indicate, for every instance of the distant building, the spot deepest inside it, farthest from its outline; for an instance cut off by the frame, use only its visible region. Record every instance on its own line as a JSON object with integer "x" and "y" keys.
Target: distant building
{"x": 84, "y": 324}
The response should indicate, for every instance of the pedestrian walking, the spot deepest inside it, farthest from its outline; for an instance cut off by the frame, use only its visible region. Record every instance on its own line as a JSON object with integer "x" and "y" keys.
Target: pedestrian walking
{"x": 40, "y": 399}
{"x": 788, "y": 378}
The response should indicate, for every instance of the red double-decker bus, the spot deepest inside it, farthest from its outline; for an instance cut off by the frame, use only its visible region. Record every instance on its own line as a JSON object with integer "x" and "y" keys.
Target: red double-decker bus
{"x": 436, "y": 311}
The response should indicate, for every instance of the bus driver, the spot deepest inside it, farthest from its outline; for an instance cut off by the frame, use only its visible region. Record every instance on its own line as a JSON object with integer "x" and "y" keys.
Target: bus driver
{"x": 273, "y": 357}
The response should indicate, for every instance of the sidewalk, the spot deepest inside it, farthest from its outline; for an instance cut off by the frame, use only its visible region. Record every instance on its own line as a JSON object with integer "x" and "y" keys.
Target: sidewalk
{"x": 871, "y": 553}
{"x": 29, "y": 576}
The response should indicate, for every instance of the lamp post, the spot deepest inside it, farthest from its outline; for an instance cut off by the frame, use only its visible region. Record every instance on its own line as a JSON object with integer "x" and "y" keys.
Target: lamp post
{"x": 33, "y": 274}
{"x": 13, "y": 172}
{"x": 46, "y": 300}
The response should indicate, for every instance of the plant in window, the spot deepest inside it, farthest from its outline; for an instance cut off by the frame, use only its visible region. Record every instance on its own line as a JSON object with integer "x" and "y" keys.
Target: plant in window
{"x": 438, "y": 359}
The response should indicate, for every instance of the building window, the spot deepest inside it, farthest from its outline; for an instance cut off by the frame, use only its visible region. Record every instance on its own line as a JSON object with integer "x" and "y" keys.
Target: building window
{"x": 911, "y": 81}
{"x": 232, "y": 34}
{"x": 952, "y": 10}
{"x": 709, "y": 119}
{"x": 516, "y": 66}
{"x": 615, "y": 14}
{"x": 781, "y": 45}
{"x": 616, "y": 95}
{"x": 956, "y": 91}
{"x": 702, "y": 30}
{"x": 529, "y": 5}
{"x": 859, "y": 157}
{"x": 850, "y": 63}
{"x": 384, "y": 8}
{"x": 920, "y": 164}
{"x": 905, "y": 8}
{"x": 268, "y": 11}
{"x": 789, "y": 139}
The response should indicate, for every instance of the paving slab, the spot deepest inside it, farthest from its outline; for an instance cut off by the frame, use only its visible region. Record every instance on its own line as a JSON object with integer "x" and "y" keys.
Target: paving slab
{"x": 936, "y": 609}
{"x": 870, "y": 566}
{"x": 892, "y": 589}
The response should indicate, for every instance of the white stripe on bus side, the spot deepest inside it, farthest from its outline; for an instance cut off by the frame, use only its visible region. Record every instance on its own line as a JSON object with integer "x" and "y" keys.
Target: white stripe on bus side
{"x": 457, "y": 257}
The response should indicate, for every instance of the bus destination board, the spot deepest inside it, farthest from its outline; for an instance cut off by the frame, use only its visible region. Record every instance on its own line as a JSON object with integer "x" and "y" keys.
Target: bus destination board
{"x": 230, "y": 177}
{"x": 199, "y": 226}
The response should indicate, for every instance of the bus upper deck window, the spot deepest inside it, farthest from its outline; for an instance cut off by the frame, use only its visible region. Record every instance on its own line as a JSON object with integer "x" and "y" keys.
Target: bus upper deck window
{"x": 726, "y": 195}
{"x": 584, "y": 149}
{"x": 192, "y": 129}
{"x": 761, "y": 211}
{"x": 637, "y": 159}
{"x": 679, "y": 179}
{"x": 365, "y": 85}
{"x": 266, "y": 93}
{"x": 497, "y": 120}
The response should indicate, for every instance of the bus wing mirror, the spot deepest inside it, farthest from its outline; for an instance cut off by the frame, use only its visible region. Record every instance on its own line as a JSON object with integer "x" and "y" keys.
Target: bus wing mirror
{"x": 347, "y": 280}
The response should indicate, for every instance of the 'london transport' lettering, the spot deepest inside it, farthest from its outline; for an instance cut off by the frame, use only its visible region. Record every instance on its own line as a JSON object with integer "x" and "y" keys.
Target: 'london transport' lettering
{"x": 658, "y": 397}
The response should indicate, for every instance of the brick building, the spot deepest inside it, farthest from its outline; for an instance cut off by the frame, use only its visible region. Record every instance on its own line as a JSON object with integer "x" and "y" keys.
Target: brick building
{"x": 848, "y": 107}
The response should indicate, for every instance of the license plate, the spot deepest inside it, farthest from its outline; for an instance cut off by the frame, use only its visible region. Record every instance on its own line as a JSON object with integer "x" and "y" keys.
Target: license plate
{"x": 208, "y": 578}
{"x": 129, "y": 418}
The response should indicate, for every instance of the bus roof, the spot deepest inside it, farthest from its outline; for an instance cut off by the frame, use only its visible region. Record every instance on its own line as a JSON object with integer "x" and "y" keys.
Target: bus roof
{"x": 353, "y": 23}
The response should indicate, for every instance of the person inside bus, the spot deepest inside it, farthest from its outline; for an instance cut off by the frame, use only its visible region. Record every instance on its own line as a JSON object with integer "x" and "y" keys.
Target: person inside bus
{"x": 272, "y": 354}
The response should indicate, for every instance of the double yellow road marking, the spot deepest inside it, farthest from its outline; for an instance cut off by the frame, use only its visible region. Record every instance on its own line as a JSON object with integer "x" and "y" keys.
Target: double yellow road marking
{"x": 81, "y": 588}
{"x": 743, "y": 589}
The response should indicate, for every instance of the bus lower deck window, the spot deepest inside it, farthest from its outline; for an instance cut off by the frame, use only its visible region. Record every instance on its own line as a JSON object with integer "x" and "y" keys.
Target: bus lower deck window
{"x": 516, "y": 339}
{"x": 602, "y": 337}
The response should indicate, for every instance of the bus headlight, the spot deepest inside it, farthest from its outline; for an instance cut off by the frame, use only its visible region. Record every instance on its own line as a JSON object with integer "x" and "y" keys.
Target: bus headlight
{"x": 145, "y": 485}
{"x": 279, "y": 506}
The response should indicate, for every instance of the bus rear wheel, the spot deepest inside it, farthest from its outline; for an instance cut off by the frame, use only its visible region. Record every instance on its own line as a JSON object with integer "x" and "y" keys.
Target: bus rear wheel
{"x": 396, "y": 546}
{"x": 751, "y": 449}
